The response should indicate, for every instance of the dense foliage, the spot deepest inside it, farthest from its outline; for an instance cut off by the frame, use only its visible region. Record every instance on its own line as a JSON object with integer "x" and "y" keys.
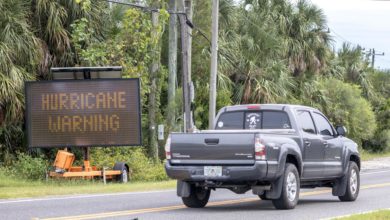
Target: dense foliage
{"x": 269, "y": 52}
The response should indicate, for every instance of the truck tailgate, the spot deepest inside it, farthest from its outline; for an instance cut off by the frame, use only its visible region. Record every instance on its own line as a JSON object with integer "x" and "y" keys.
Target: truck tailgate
{"x": 217, "y": 148}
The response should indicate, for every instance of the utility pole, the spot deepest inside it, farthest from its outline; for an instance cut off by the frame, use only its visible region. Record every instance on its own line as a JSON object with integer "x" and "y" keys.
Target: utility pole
{"x": 184, "y": 66}
{"x": 214, "y": 63}
{"x": 189, "y": 12}
{"x": 188, "y": 7}
{"x": 373, "y": 54}
{"x": 153, "y": 144}
{"x": 172, "y": 66}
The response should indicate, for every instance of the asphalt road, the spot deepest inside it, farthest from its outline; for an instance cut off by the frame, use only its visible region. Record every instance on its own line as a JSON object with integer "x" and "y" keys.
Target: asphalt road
{"x": 313, "y": 204}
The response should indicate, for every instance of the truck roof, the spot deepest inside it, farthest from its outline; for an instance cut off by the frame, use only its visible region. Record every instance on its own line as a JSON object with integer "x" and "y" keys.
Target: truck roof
{"x": 264, "y": 106}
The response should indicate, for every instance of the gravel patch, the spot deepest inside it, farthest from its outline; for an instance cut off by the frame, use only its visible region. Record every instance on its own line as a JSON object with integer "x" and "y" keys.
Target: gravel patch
{"x": 377, "y": 163}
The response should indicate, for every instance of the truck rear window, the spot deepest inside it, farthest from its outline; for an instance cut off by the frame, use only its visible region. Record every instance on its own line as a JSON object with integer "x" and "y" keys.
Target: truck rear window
{"x": 253, "y": 120}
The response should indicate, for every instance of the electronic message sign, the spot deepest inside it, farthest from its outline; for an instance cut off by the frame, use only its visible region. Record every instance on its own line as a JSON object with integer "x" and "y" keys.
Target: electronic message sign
{"x": 83, "y": 113}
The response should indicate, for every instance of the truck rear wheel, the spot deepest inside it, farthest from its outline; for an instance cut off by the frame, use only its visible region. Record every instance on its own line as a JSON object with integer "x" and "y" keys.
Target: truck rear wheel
{"x": 290, "y": 191}
{"x": 198, "y": 197}
{"x": 353, "y": 183}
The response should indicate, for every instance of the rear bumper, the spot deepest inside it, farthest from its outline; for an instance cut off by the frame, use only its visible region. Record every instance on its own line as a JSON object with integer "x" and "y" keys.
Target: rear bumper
{"x": 258, "y": 171}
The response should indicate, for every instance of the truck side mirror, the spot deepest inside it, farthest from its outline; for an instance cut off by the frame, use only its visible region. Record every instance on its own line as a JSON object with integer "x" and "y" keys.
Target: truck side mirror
{"x": 341, "y": 130}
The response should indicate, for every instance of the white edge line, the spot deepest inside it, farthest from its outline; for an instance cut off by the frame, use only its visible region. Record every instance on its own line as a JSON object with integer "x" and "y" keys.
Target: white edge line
{"x": 83, "y": 196}
{"x": 366, "y": 173}
{"x": 115, "y": 194}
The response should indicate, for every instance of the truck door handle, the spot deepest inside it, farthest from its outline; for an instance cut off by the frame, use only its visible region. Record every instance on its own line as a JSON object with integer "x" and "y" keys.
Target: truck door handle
{"x": 325, "y": 143}
{"x": 307, "y": 143}
{"x": 211, "y": 141}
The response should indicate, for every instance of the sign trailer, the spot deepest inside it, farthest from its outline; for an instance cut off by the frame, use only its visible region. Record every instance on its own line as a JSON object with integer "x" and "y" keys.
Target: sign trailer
{"x": 84, "y": 107}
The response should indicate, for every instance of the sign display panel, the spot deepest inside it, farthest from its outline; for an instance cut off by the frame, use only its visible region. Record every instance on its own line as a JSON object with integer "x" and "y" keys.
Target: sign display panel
{"x": 83, "y": 113}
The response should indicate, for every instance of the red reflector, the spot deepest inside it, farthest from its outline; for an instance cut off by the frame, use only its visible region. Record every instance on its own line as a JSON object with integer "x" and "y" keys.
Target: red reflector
{"x": 253, "y": 107}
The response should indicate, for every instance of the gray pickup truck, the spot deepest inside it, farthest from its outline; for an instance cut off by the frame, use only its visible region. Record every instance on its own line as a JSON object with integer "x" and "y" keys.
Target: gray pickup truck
{"x": 271, "y": 149}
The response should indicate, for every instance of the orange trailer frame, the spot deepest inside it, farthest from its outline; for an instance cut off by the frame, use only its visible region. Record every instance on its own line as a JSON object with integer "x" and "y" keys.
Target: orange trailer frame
{"x": 64, "y": 169}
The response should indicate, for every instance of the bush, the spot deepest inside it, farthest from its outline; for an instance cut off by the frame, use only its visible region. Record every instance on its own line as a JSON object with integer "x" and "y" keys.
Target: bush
{"x": 29, "y": 167}
{"x": 380, "y": 143}
{"x": 384, "y": 140}
{"x": 141, "y": 167}
{"x": 346, "y": 106}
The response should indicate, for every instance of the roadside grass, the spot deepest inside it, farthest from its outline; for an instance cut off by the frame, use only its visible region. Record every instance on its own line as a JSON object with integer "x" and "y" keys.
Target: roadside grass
{"x": 366, "y": 155}
{"x": 11, "y": 187}
{"x": 376, "y": 215}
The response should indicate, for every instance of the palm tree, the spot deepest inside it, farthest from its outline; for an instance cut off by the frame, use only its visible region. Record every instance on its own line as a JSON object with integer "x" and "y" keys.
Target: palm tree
{"x": 34, "y": 35}
{"x": 19, "y": 53}
{"x": 355, "y": 67}
{"x": 306, "y": 35}
{"x": 252, "y": 56}
{"x": 52, "y": 20}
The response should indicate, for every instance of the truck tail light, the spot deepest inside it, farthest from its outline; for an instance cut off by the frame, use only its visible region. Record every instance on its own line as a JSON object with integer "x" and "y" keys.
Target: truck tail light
{"x": 168, "y": 148}
{"x": 259, "y": 149}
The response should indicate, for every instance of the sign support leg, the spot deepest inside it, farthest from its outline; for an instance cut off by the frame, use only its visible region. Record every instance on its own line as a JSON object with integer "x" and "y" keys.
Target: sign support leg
{"x": 87, "y": 166}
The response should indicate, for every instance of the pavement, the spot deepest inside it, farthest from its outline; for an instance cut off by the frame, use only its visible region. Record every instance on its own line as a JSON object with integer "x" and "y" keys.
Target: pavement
{"x": 313, "y": 204}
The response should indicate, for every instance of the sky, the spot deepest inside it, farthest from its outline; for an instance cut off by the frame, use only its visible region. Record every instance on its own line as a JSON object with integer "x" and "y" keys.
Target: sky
{"x": 360, "y": 22}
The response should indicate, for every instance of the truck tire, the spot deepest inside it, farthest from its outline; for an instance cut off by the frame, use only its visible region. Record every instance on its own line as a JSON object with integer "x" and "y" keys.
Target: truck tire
{"x": 198, "y": 197}
{"x": 353, "y": 183}
{"x": 290, "y": 191}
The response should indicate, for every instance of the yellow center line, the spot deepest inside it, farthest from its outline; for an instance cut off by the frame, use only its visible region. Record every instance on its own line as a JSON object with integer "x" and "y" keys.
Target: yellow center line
{"x": 169, "y": 208}
{"x": 375, "y": 186}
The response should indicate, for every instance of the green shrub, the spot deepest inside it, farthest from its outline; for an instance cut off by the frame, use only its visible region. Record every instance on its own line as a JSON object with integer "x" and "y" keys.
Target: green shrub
{"x": 384, "y": 140}
{"x": 380, "y": 143}
{"x": 141, "y": 167}
{"x": 29, "y": 167}
{"x": 345, "y": 105}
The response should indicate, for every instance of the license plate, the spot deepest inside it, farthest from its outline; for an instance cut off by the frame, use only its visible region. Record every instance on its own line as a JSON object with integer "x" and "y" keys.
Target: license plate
{"x": 213, "y": 171}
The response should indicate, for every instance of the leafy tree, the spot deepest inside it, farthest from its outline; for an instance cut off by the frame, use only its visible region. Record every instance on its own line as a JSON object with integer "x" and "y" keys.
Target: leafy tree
{"x": 134, "y": 46}
{"x": 346, "y": 106}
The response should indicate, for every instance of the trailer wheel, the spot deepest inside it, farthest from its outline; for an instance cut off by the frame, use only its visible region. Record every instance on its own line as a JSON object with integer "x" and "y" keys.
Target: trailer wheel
{"x": 124, "y": 176}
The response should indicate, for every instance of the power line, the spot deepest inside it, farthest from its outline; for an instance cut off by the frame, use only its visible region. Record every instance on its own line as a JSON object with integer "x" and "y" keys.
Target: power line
{"x": 142, "y": 7}
{"x": 146, "y": 8}
{"x": 383, "y": 59}
{"x": 343, "y": 38}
